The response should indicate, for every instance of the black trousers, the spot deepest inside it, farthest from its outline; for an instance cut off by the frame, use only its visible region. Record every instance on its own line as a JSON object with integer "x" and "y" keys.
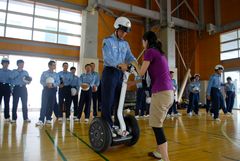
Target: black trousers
{"x": 64, "y": 97}
{"x": 74, "y": 99}
{"x": 20, "y": 92}
{"x": 230, "y": 100}
{"x": 5, "y": 92}
{"x": 48, "y": 102}
{"x": 112, "y": 79}
{"x": 85, "y": 100}
{"x": 94, "y": 99}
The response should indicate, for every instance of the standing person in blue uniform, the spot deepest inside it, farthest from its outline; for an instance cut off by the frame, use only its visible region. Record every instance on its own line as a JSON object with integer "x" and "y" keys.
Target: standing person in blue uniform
{"x": 74, "y": 91}
{"x": 230, "y": 94}
{"x": 64, "y": 93}
{"x": 86, "y": 82}
{"x": 117, "y": 55}
{"x": 5, "y": 89}
{"x": 141, "y": 98}
{"x": 50, "y": 81}
{"x": 173, "y": 109}
{"x": 20, "y": 78}
{"x": 193, "y": 89}
{"x": 95, "y": 89}
{"x": 214, "y": 91}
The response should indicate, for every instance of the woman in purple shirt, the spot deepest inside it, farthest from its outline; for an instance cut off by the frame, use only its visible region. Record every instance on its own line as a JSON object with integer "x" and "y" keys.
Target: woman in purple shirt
{"x": 162, "y": 90}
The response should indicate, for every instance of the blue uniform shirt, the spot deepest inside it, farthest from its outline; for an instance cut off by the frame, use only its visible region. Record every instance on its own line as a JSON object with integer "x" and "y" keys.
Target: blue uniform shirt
{"x": 194, "y": 87}
{"x": 47, "y": 74}
{"x": 214, "y": 81}
{"x": 139, "y": 85}
{"x": 16, "y": 77}
{"x": 116, "y": 51}
{"x": 66, "y": 77}
{"x": 75, "y": 82}
{"x": 96, "y": 78}
{"x": 175, "y": 86}
{"x": 5, "y": 76}
{"x": 86, "y": 78}
{"x": 229, "y": 87}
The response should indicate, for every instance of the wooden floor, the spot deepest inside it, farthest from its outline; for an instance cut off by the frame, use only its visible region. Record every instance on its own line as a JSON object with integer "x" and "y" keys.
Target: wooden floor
{"x": 190, "y": 139}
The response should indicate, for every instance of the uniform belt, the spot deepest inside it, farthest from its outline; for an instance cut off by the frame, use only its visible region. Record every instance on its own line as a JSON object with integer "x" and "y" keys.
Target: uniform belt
{"x": 4, "y": 83}
{"x": 20, "y": 86}
{"x": 110, "y": 67}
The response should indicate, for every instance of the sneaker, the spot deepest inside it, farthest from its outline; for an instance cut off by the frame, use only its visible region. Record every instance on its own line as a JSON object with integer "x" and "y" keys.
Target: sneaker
{"x": 113, "y": 133}
{"x": 7, "y": 120}
{"x": 190, "y": 114}
{"x": 155, "y": 154}
{"x": 86, "y": 120}
{"x": 48, "y": 122}
{"x": 217, "y": 119}
{"x": 27, "y": 120}
{"x": 146, "y": 115}
{"x": 168, "y": 116}
{"x": 178, "y": 114}
{"x": 228, "y": 114}
{"x": 76, "y": 119}
{"x": 68, "y": 119}
{"x": 39, "y": 123}
{"x": 60, "y": 119}
{"x": 136, "y": 117}
{"x": 13, "y": 121}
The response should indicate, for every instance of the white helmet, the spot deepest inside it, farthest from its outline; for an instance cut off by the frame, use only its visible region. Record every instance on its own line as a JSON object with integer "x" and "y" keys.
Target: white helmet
{"x": 123, "y": 23}
{"x": 27, "y": 79}
{"x": 73, "y": 91}
{"x": 219, "y": 67}
{"x": 50, "y": 80}
{"x": 5, "y": 60}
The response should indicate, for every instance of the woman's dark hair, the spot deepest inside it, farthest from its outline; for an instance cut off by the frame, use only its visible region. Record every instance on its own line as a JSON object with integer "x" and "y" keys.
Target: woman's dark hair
{"x": 153, "y": 42}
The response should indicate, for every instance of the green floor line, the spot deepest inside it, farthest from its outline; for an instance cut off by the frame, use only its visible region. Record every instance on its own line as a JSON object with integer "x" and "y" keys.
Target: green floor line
{"x": 75, "y": 135}
{"x": 58, "y": 149}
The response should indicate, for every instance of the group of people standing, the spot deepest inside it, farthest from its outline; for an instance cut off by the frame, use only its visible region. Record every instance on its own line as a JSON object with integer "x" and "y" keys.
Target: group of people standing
{"x": 68, "y": 84}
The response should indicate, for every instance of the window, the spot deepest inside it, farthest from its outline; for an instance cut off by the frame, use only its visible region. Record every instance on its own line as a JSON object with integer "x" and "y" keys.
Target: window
{"x": 230, "y": 45}
{"x": 2, "y": 17}
{"x": 46, "y": 11}
{"x": 1, "y": 30}
{"x": 44, "y": 36}
{"x": 19, "y": 20}
{"x": 25, "y": 19}
{"x": 18, "y": 33}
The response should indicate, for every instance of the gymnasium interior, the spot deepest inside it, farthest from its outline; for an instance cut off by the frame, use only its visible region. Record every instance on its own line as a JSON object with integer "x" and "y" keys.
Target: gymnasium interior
{"x": 196, "y": 36}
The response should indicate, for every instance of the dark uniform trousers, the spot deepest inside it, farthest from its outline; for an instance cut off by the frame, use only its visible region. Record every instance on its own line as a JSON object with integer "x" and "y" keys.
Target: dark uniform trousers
{"x": 64, "y": 96}
{"x": 85, "y": 100}
{"x": 112, "y": 79}
{"x": 5, "y": 92}
{"x": 74, "y": 99}
{"x": 217, "y": 102}
{"x": 95, "y": 99}
{"x": 230, "y": 100}
{"x": 141, "y": 101}
{"x": 193, "y": 103}
{"x": 20, "y": 92}
{"x": 48, "y": 102}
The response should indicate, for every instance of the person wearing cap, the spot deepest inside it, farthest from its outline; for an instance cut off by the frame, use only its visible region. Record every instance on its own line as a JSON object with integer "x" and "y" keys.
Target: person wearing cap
{"x": 64, "y": 93}
{"x": 19, "y": 79}
{"x": 173, "y": 109}
{"x": 230, "y": 94}
{"x": 86, "y": 82}
{"x": 117, "y": 56}
{"x": 74, "y": 91}
{"x": 193, "y": 89}
{"x": 5, "y": 89}
{"x": 50, "y": 81}
{"x": 214, "y": 91}
{"x": 95, "y": 89}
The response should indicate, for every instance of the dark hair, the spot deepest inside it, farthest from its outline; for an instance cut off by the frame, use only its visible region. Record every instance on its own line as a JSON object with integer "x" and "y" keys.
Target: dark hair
{"x": 92, "y": 63}
{"x": 153, "y": 42}
{"x": 171, "y": 72}
{"x": 72, "y": 68}
{"x": 20, "y": 61}
{"x": 192, "y": 78}
{"x": 64, "y": 63}
{"x": 229, "y": 78}
{"x": 88, "y": 65}
{"x": 51, "y": 62}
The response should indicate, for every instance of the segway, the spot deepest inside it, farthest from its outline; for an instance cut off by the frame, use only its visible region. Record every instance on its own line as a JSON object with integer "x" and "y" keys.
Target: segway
{"x": 100, "y": 134}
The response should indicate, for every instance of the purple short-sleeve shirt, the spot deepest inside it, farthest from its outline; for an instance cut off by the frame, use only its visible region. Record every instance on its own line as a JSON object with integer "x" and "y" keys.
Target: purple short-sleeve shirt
{"x": 158, "y": 70}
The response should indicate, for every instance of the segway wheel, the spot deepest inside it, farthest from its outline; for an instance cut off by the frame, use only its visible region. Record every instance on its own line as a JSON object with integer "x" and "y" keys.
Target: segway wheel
{"x": 100, "y": 135}
{"x": 132, "y": 128}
